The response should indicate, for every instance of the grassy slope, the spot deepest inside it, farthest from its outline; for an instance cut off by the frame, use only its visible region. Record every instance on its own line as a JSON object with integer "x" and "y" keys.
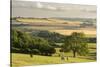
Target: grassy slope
{"x": 24, "y": 59}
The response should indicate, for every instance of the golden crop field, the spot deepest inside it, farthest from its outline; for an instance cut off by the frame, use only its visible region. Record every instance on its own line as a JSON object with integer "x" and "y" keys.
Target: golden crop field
{"x": 68, "y": 32}
{"x": 48, "y": 21}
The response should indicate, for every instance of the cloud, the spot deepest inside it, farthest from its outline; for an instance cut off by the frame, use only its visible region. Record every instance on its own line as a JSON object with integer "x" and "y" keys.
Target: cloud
{"x": 39, "y": 5}
{"x": 51, "y": 7}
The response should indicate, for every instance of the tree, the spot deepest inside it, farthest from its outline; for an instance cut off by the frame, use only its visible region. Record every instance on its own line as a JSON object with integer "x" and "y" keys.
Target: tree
{"x": 76, "y": 43}
{"x": 20, "y": 40}
{"x": 14, "y": 38}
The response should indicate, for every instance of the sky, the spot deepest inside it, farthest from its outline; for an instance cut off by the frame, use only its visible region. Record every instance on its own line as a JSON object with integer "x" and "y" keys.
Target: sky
{"x": 48, "y": 10}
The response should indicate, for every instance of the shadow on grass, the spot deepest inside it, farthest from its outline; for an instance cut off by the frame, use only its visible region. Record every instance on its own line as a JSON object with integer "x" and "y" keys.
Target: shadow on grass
{"x": 91, "y": 56}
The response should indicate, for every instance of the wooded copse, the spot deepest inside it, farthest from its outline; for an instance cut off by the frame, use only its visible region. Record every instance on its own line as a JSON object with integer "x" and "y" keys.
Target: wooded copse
{"x": 25, "y": 43}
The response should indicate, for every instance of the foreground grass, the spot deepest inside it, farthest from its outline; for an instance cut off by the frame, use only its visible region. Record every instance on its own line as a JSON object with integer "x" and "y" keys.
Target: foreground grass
{"x": 25, "y": 59}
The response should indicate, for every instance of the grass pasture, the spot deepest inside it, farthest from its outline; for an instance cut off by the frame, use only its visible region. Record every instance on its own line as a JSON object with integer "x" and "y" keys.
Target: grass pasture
{"x": 25, "y": 59}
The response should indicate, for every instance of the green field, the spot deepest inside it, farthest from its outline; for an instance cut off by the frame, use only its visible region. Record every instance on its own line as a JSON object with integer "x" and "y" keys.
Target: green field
{"x": 25, "y": 59}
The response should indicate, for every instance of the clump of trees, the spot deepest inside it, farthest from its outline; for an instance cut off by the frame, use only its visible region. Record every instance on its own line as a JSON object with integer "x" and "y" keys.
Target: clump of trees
{"x": 25, "y": 43}
{"x": 76, "y": 43}
{"x": 51, "y": 36}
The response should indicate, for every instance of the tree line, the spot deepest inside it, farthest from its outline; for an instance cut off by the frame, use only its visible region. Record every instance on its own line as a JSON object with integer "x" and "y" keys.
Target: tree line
{"x": 58, "y": 38}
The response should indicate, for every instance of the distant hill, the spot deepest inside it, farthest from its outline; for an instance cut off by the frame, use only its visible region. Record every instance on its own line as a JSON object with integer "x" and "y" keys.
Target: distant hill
{"x": 77, "y": 19}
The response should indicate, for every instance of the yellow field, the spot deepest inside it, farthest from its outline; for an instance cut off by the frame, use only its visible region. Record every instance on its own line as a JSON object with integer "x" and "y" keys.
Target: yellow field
{"x": 68, "y": 32}
{"x": 47, "y": 21}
